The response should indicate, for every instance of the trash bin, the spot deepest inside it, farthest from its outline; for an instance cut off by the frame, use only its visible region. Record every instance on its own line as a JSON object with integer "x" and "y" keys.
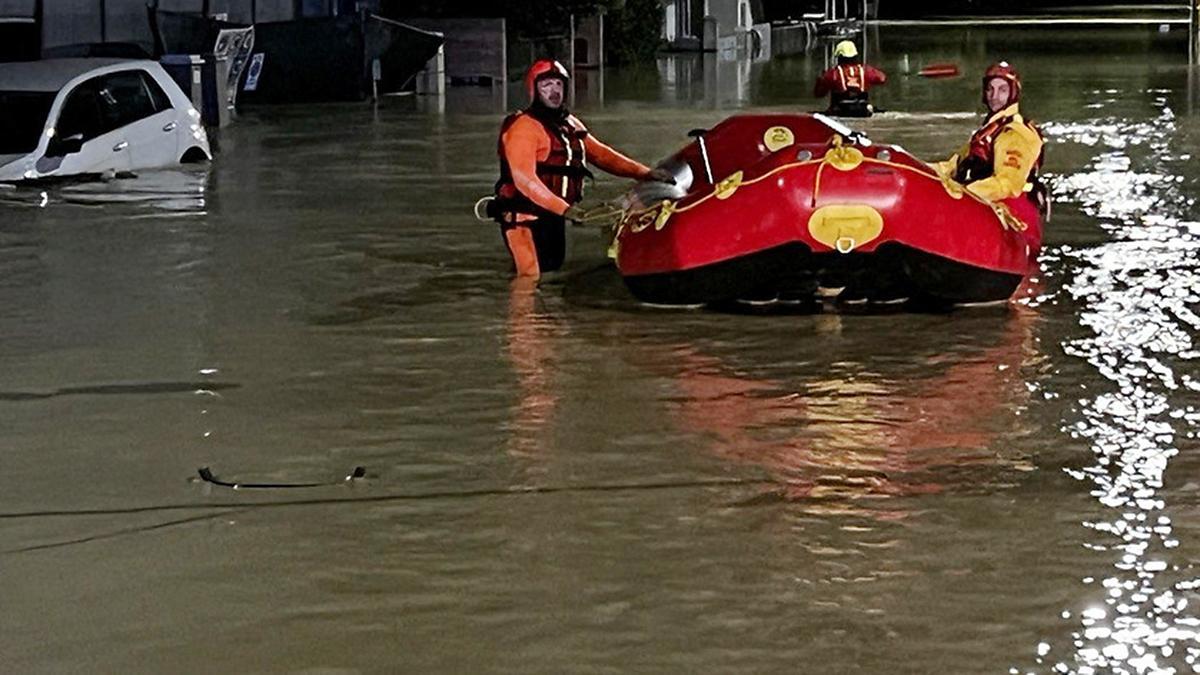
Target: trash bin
{"x": 187, "y": 71}
{"x": 196, "y": 76}
{"x": 215, "y": 112}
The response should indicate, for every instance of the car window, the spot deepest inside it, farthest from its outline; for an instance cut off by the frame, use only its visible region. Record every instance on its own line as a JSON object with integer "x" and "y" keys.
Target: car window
{"x": 125, "y": 98}
{"x": 157, "y": 96}
{"x": 110, "y": 102}
{"x": 22, "y": 120}
{"x": 81, "y": 115}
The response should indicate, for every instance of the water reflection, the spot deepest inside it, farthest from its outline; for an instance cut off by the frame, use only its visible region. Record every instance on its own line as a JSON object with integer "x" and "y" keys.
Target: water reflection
{"x": 855, "y": 421}
{"x": 718, "y": 79}
{"x": 531, "y": 338}
{"x": 180, "y": 191}
{"x": 1137, "y": 294}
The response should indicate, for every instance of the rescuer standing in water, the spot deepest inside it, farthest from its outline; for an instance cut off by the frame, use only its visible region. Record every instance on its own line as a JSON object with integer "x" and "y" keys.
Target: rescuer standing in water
{"x": 544, "y": 151}
{"x": 847, "y": 83}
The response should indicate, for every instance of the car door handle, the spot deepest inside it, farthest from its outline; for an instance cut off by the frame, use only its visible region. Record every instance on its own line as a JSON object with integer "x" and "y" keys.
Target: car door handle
{"x": 170, "y": 126}
{"x": 120, "y": 146}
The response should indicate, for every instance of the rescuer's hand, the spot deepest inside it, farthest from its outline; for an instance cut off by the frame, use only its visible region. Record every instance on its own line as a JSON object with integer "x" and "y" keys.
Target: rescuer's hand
{"x": 601, "y": 214}
{"x": 575, "y": 213}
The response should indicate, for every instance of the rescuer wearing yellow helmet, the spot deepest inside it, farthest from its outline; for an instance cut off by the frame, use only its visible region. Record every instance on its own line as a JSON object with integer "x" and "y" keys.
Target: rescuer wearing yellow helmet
{"x": 848, "y": 82}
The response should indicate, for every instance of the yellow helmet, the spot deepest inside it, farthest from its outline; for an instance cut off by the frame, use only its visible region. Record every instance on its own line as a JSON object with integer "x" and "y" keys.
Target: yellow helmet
{"x": 845, "y": 49}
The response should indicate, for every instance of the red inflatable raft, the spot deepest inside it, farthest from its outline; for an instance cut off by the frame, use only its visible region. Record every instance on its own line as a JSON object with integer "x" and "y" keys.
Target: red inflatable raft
{"x": 794, "y": 206}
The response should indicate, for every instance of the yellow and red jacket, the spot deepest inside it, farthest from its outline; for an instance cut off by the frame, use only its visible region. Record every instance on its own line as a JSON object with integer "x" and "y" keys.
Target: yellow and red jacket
{"x": 543, "y": 163}
{"x": 1001, "y": 159}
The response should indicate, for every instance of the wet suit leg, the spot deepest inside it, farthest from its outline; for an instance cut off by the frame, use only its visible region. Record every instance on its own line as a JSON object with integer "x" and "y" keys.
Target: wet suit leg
{"x": 519, "y": 240}
{"x": 536, "y": 246}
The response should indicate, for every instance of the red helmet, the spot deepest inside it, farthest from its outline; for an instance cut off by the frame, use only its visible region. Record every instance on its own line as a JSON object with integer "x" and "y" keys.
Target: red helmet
{"x": 540, "y": 70}
{"x": 1006, "y": 72}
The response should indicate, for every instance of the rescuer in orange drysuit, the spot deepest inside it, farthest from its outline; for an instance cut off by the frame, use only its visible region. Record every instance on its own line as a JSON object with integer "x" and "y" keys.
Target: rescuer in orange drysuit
{"x": 847, "y": 83}
{"x": 1002, "y": 159}
{"x": 544, "y": 152}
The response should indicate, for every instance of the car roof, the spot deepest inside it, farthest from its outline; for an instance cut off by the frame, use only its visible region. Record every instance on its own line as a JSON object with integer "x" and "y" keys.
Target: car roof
{"x": 51, "y": 75}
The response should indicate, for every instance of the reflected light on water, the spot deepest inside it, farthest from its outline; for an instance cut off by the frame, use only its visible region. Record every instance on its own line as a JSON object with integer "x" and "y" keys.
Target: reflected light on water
{"x": 164, "y": 191}
{"x": 1135, "y": 294}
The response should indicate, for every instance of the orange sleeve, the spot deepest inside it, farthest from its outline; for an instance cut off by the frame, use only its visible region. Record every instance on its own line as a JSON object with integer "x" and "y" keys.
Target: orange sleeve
{"x": 876, "y": 76}
{"x": 612, "y": 161}
{"x": 525, "y": 144}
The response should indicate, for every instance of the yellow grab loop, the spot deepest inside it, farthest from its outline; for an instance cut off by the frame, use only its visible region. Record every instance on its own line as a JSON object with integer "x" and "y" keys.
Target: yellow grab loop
{"x": 664, "y": 214}
{"x": 726, "y": 188}
{"x": 845, "y": 227}
{"x": 844, "y": 157}
{"x": 777, "y": 138}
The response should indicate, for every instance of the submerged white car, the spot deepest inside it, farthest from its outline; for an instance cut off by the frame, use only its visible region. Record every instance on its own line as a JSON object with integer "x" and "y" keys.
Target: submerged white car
{"x": 71, "y": 117}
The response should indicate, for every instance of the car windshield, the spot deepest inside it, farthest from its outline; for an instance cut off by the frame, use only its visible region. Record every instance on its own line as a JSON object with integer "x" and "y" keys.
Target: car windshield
{"x": 22, "y": 120}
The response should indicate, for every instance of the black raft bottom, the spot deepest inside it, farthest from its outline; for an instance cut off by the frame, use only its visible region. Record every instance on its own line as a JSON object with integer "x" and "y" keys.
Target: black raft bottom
{"x": 794, "y": 273}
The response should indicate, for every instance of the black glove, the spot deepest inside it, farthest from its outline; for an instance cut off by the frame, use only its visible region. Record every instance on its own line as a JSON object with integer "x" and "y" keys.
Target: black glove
{"x": 599, "y": 214}
{"x": 661, "y": 175}
{"x": 576, "y": 213}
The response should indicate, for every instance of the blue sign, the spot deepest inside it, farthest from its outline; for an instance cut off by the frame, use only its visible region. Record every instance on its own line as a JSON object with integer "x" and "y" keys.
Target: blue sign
{"x": 256, "y": 63}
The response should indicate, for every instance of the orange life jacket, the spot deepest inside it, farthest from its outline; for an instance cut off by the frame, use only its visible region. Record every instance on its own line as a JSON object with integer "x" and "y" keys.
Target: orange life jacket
{"x": 562, "y": 171}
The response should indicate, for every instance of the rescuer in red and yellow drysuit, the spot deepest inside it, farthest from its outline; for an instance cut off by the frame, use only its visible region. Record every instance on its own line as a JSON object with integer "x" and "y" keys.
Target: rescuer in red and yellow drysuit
{"x": 847, "y": 83}
{"x": 1002, "y": 159}
{"x": 544, "y": 151}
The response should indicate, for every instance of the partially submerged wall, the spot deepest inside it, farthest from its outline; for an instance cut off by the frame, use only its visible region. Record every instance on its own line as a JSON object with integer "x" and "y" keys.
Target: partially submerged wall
{"x": 475, "y": 49}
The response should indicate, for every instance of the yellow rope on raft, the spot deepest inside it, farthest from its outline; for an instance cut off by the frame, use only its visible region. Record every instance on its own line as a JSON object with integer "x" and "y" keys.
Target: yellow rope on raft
{"x": 659, "y": 213}
{"x": 1007, "y": 219}
{"x": 604, "y": 214}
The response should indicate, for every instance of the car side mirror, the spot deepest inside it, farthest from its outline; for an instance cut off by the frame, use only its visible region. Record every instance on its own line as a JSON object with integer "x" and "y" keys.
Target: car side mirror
{"x": 61, "y": 147}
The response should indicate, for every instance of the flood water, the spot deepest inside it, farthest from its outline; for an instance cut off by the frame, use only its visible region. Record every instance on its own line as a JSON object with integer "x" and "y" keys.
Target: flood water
{"x": 562, "y": 481}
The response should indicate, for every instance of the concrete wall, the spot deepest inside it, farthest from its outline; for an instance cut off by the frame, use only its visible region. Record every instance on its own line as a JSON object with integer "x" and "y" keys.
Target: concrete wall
{"x": 589, "y": 42}
{"x": 125, "y": 21}
{"x": 725, "y": 12}
{"x": 16, "y": 9}
{"x": 186, "y": 6}
{"x": 794, "y": 39}
{"x": 275, "y": 10}
{"x": 733, "y": 16}
{"x": 475, "y": 48}
{"x": 67, "y": 22}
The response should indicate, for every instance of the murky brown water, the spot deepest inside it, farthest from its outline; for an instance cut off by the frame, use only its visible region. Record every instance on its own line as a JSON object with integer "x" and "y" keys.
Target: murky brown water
{"x": 562, "y": 481}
